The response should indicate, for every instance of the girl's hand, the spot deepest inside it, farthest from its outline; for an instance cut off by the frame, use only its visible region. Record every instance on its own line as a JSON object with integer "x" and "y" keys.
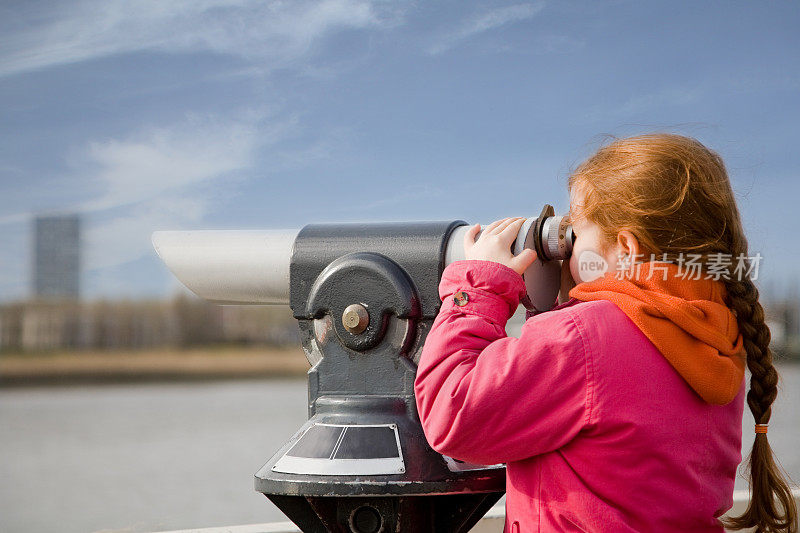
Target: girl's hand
{"x": 494, "y": 244}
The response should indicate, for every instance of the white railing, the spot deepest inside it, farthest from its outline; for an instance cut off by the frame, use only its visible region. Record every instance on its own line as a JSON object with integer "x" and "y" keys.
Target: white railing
{"x": 492, "y": 522}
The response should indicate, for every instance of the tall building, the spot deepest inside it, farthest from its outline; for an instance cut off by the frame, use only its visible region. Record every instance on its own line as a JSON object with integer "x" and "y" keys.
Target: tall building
{"x": 57, "y": 256}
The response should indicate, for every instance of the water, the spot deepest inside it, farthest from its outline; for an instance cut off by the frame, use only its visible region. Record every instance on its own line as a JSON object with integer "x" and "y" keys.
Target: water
{"x": 155, "y": 457}
{"x": 143, "y": 457}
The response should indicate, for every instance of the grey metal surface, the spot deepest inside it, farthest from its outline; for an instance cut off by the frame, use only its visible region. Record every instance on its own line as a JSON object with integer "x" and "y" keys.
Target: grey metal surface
{"x": 417, "y": 248}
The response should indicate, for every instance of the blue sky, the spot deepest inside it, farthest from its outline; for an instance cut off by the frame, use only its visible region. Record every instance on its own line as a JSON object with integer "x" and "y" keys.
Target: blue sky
{"x": 224, "y": 114}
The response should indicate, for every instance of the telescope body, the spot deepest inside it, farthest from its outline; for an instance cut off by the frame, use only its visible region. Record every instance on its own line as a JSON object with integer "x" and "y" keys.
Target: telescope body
{"x": 365, "y": 297}
{"x": 252, "y": 267}
{"x": 244, "y": 267}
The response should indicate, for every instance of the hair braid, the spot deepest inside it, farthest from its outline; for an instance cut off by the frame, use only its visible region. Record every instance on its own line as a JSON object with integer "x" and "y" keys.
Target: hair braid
{"x": 767, "y": 484}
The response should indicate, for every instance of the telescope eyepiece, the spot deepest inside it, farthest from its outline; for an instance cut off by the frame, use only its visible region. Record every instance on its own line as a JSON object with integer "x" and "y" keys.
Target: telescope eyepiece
{"x": 557, "y": 238}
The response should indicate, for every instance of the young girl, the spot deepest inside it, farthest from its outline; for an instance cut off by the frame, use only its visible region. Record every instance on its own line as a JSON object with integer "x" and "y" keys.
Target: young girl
{"x": 621, "y": 408}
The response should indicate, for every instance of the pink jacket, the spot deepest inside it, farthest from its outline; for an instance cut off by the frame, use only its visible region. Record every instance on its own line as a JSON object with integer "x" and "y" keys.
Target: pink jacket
{"x": 597, "y": 430}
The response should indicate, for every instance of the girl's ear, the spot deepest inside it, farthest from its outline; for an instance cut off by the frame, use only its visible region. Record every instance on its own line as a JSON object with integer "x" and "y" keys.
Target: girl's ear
{"x": 627, "y": 243}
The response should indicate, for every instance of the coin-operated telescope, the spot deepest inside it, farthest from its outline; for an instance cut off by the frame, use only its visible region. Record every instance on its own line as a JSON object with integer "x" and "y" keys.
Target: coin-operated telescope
{"x": 365, "y": 297}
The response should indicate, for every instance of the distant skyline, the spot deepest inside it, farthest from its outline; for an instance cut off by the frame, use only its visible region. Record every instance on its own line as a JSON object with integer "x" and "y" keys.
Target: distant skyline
{"x": 227, "y": 114}
{"x": 57, "y": 257}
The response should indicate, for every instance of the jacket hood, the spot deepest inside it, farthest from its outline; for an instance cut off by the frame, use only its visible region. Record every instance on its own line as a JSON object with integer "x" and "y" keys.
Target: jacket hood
{"x": 686, "y": 319}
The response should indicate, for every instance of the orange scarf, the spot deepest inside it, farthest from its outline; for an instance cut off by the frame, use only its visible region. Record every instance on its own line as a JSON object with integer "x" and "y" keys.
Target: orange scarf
{"x": 686, "y": 319}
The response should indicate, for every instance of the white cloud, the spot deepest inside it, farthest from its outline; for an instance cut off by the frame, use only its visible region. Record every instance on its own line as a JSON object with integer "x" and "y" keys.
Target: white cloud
{"x": 159, "y": 161}
{"x": 272, "y": 32}
{"x": 166, "y": 177}
{"x": 483, "y": 23}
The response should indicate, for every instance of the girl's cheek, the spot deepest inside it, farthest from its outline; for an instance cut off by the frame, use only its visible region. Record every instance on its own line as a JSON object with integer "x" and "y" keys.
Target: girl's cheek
{"x": 573, "y": 266}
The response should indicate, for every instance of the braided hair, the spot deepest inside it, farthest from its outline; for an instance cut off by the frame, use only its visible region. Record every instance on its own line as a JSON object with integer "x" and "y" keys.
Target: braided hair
{"x": 766, "y": 482}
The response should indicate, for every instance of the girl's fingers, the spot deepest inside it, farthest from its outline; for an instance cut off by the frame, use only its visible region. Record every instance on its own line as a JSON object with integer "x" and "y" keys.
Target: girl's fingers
{"x": 510, "y": 230}
{"x": 503, "y": 225}
{"x": 469, "y": 236}
{"x": 525, "y": 259}
{"x": 493, "y": 225}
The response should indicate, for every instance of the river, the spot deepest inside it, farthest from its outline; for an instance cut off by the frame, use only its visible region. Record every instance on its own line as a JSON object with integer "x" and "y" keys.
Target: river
{"x": 168, "y": 456}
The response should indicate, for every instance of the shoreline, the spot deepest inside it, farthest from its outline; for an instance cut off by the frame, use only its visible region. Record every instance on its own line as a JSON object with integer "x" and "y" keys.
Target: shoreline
{"x": 163, "y": 365}
{"x": 148, "y": 366}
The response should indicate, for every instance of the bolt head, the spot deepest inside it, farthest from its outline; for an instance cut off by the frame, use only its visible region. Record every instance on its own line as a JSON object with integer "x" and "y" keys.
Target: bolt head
{"x": 355, "y": 318}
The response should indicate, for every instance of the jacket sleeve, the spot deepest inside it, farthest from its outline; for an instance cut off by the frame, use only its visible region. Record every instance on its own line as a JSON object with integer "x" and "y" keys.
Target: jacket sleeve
{"x": 487, "y": 398}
